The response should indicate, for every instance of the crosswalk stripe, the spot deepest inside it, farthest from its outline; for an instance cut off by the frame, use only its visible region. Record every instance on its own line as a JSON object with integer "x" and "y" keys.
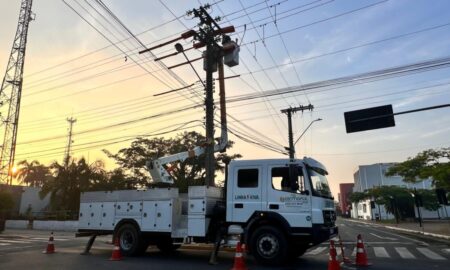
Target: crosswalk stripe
{"x": 381, "y": 252}
{"x": 430, "y": 254}
{"x": 4, "y": 244}
{"x": 316, "y": 251}
{"x": 404, "y": 253}
{"x": 15, "y": 241}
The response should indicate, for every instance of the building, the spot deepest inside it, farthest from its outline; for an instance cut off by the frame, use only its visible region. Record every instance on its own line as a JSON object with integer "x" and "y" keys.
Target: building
{"x": 370, "y": 176}
{"x": 26, "y": 200}
{"x": 344, "y": 192}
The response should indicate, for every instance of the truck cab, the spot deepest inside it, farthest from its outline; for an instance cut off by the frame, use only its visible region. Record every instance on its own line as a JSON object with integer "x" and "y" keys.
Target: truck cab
{"x": 280, "y": 219}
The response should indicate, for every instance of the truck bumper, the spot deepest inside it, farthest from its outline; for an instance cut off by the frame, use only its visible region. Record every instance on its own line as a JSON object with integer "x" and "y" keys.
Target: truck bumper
{"x": 323, "y": 233}
{"x": 319, "y": 233}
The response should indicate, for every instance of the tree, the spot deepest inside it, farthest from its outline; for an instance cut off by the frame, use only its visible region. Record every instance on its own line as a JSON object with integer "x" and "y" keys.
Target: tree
{"x": 132, "y": 160}
{"x": 396, "y": 200}
{"x": 68, "y": 182}
{"x": 6, "y": 202}
{"x": 32, "y": 173}
{"x": 356, "y": 197}
{"x": 434, "y": 164}
{"x": 429, "y": 199}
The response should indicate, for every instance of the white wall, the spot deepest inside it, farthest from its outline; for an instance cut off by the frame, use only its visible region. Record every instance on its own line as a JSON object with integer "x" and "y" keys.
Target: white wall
{"x": 30, "y": 197}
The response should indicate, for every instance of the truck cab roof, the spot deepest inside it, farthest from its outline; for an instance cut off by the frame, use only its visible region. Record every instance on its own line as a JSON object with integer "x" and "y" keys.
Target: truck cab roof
{"x": 306, "y": 160}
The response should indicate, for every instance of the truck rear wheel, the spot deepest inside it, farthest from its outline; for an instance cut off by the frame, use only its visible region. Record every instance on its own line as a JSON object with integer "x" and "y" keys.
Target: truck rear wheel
{"x": 130, "y": 241}
{"x": 269, "y": 245}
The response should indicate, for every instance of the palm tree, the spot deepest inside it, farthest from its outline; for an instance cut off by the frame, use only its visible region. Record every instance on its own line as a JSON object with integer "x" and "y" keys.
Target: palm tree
{"x": 32, "y": 173}
{"x": 69, "y": 181}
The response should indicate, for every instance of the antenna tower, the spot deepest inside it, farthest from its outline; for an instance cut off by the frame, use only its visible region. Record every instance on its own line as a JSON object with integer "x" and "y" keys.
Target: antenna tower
{"x": 11, "y": 91}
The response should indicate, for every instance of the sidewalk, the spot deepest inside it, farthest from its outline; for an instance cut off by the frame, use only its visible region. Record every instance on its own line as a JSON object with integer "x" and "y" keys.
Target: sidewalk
{"x": 435, "y": 228}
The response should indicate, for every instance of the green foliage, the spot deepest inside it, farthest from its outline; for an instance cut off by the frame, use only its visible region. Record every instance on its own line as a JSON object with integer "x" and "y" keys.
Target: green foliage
{"x": 6, "y": 202}
{"x": 429, "y": 199}
{"x": 185, "y": 173}
{"x": 33, "y": 173}
{"x": 396, "y": 200}
{"x": 68, "y": 182}
{"x": 356, "y": 197}
{"x": 434, "y": 164}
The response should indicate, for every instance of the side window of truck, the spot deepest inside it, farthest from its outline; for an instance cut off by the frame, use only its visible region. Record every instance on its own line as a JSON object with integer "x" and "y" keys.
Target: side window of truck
{"x": 248, "y": 178}
{"x": 280, "y": 180}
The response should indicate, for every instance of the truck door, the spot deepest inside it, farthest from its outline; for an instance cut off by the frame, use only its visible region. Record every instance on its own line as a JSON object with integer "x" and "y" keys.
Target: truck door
{"x": 246, "y": 195}
{"x": 293, "y": 205}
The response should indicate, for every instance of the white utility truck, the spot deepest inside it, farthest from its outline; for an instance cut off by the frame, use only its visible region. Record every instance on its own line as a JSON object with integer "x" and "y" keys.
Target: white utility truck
{"x": 275, "y": 220}
{"x": 279, "y": 207}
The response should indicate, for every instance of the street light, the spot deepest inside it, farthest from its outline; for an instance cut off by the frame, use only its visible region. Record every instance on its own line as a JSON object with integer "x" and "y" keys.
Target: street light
{"x": 304, "y": 131}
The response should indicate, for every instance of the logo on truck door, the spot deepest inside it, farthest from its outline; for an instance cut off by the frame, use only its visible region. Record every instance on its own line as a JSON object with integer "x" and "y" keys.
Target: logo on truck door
{"x": 293, "y": 200}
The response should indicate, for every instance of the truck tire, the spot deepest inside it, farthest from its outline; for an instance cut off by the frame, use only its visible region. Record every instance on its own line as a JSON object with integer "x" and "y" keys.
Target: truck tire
{"x": 130, "y": 240}
{"x": 269, "y": 245}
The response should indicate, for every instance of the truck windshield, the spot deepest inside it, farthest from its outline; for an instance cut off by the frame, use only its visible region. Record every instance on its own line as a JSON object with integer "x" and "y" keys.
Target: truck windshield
{"x": 319, "y": 182}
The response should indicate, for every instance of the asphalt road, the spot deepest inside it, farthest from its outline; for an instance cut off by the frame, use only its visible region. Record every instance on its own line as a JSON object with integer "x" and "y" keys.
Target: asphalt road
{"x": 386, "y": 249}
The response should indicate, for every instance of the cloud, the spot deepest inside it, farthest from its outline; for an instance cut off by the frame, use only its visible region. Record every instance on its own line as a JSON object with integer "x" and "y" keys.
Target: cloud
{"x": 434, "y": 132}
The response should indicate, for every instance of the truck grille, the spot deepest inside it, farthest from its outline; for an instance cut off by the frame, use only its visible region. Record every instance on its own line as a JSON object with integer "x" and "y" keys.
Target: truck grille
{"x": 329, "y": 217}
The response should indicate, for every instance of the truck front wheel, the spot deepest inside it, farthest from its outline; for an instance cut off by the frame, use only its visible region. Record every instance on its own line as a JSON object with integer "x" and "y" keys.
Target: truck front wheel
{"x": 269, "y": 245}
{"x": 130, "y": 241}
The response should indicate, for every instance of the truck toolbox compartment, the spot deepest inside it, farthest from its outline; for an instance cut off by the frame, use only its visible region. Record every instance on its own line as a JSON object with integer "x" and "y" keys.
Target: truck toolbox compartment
{"x": 198, "y": 225}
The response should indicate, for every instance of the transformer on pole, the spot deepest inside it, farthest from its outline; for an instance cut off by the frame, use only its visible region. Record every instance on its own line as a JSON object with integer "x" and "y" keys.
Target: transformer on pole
{"x": 11, "y": 92}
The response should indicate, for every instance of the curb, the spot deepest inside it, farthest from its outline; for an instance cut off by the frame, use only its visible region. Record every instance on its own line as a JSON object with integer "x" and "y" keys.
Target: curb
{"x": 446, "y": 237}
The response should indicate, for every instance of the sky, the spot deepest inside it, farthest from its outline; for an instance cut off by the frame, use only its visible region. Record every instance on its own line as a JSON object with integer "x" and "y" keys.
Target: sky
{"x": 94, "y": 76}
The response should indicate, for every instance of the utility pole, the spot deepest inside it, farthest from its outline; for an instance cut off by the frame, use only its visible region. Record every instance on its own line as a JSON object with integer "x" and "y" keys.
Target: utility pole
{"x": 208, "y": 35}
{"x": 69, "y": 142}
{"x": 289, "y": 112}
{"x": 293, "y": 172}
{"x": 11, "y": 92}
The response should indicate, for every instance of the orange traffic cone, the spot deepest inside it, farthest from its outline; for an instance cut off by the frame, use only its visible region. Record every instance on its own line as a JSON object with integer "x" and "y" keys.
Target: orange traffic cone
{"x": 344, "y": 258}
{"x": 50, "y": 246}
{"x": 239, "y": 262}
{"x": 361, "y": 255}
{"x": 333, "y": 264}
{"x": 116, "y": 255}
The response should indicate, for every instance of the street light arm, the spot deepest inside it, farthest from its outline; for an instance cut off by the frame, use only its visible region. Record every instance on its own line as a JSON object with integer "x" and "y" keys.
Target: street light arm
{"x": 306, "y": 129}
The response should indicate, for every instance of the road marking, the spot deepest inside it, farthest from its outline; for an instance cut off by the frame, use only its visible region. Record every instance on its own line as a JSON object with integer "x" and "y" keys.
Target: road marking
{"x": 404, "y": 253}
{"x": 382, "y": 237}
{"x": 46, "y": 239}
{"x": 374, "y": 243}
{"x": 401, "y": 236}
{"x": 447, "y": 250}
{"x": 15, "y": 241}
{"x": 430, "y": 254}
{"x": 4, "y": 244}
{"x": 316, "y": 251}
{"x": 354, "y": 252}
{"x": 12, "y": 248}
{"x": 381, "y": 252}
